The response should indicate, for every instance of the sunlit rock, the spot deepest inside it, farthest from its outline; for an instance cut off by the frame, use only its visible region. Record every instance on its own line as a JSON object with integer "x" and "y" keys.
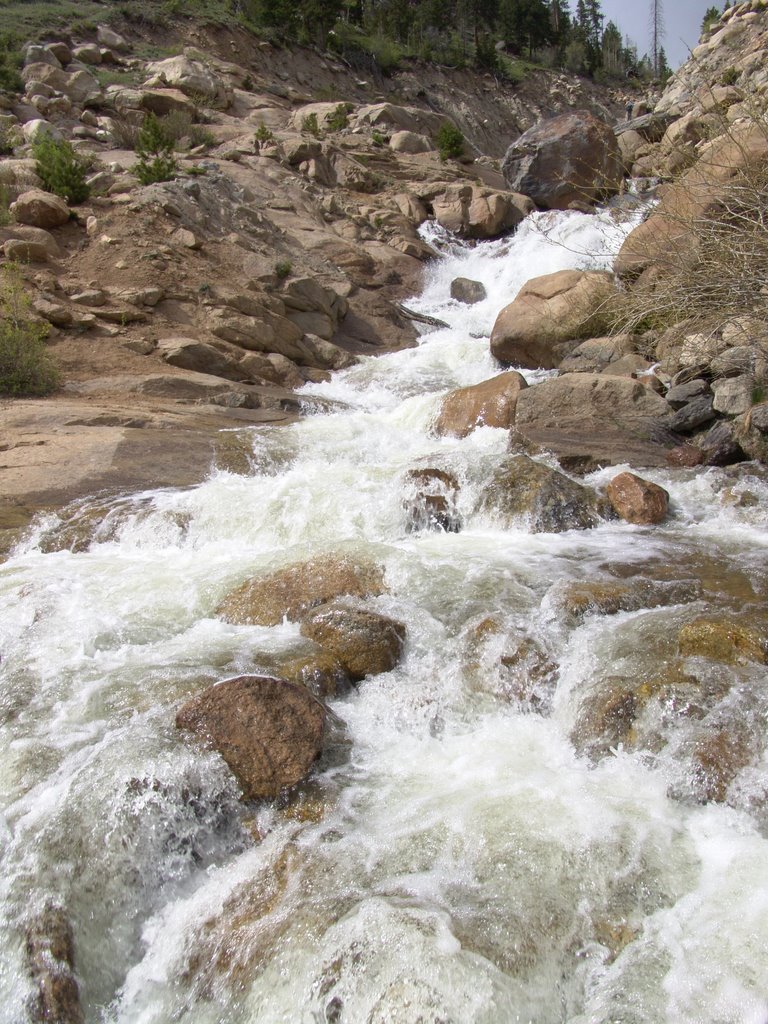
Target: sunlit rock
{"x": 365, "y": 642}
{"x": 549, "y": 316}
{"x": 491, "y": 403}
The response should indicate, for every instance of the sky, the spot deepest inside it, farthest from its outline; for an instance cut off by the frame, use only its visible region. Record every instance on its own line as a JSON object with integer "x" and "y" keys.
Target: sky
{"x": 682, "y": 24}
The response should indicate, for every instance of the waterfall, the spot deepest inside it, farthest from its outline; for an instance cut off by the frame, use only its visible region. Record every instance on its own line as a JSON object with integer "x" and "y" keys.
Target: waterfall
{"x": 459, "y": 858}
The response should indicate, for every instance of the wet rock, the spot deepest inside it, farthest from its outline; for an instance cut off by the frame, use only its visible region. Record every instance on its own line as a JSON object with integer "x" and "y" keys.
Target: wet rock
{"x": 465, "y": 290}
{"x": 50, "y": 953}
{"x": 269, "y": 731}
{"x": 685, "y": 456}
{"x": 716, "y": 759}
{"x": 491, "y": 403}
{"x": 294, "y": 590}
{"x": 608, "y": 597}
{"x": 429, "y": 500}
{"x": 40, "y": 209}
{"x": 606, "y": 718}
{"x": 638, "y": 501}
{"x": 549, "y": 501}
{"x": 549, "y": 316}
{"x": 319, "y": 671}
{"x": 724, "y": 640}
{"x": 471, "y": 212}
{"x": 569, "y": 158}
{"x": 365, "y": 642}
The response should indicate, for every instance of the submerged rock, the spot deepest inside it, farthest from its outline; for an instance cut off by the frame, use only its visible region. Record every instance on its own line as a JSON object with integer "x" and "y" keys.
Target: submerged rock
{"x": 365, "y": 642}
{"x": 50, "y": 952}
{"x": 721, "y": 639}
{"x": 269, "y": 731}
{"x": 549, "y": 500}
{"x": 294, "y": 590}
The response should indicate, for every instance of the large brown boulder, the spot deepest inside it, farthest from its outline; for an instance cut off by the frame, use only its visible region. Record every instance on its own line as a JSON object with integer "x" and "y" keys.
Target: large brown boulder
{"x": 549, "y": 501}
{"x": 491, "y": 403}
{"x": 191, "y": 354}
{"x": 40, "y": 209}
{"x": 365, "y": 642}
{"x": 571, "y": 158}
{"x": 269, "y": 731}
{"x": 638, "y": 501}
{"x": 613, "y": 419}
{"x": 294, "y": 590}
{"x": 549, "y": 316}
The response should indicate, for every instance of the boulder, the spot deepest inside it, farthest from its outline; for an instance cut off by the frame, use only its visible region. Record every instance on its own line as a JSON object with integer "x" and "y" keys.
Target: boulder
{"x": 491, "y": 403}
{"x": 35, "y": 130}
{"x": 269, "y": 731}
{"x": 429, "y": 500}
{"x": 87, "y": 53}
{"x": 410, "y": 142}
{"x": 111, "y": 39}
{"x": 191, "y": 354}
{"x": 23, "y": 250}
{"x": 390, "y": 115}
{"x": 193, "y": 78}
{"x": 599, "y": 355}
{"x": 290, "y": 592}
{"x": 694, "y": 414}
{"x": 166, "y": 101}
{"x": 549, "y": 316}
{"x": 40, "y": 209}
{"x": 599, "y": 409}
{"x": 638, "y": 501}
{"x": 609, "y": 597}
{"x": 549, "y": 501}
{"x": 365, "y": 642}
{"x": 467, "y": 291}
{"x": 565, "y": 159}
{"x": 733, "y": 395}
{"x": 472, "y": 212}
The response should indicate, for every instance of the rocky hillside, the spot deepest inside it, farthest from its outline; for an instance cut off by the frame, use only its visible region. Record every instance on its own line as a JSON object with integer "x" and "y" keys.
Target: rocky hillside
{"x": 285, "y": 242}
{"x": 280, "y": 249}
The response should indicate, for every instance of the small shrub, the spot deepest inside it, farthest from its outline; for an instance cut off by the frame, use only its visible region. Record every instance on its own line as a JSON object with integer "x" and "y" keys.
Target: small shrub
{"x": 310, "y": 126}
{"x": 264, "y": 134}
{"x": 26, "y": 367}
{"x": 339, "y": 119}
{"x": 5, "y": 204}
{"x": 124, "y": 132}
{"x": 11, "y": 61}
{"x": 60, "y": 169}
{"x": 729, "y": 76}
{"x": 377, "y": 138}
{"x": 450, "y": 142}
{"x": 176, "y": 125}
{"x": 9, "y": 138}
{"x": 283, "y": 269}
{"x": 155, "y": 152}
{"x": 199, "y": 135}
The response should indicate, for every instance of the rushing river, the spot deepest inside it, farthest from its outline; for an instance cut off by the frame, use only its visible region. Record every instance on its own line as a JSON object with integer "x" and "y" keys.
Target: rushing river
{"x": 456, "y": 859}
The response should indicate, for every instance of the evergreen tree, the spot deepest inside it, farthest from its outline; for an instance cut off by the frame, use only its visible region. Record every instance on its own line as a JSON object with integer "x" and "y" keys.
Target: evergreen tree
{"x": 711, "y": 17}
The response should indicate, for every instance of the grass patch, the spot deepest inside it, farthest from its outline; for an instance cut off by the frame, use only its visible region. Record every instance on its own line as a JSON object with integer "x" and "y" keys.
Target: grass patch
{"x": 26, "y": 367}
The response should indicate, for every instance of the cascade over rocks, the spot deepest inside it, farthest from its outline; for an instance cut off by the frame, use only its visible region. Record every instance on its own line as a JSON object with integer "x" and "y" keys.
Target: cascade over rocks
{"x": 269, "y": 731}
{"x": 549, "y": 501}
{"x": 294, "y": 590}
{"x": 571, "y": 158}
{"x": 429, "y": 500}
{"x": 549, "y": 316}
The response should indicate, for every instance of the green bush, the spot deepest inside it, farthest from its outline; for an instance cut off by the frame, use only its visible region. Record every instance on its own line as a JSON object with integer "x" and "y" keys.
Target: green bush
{"x": 339, "y": 119}
{"x": 309, "y": 124}
{"x": 154, "y": 149}
{"x": 283, "y": 269}
{"x": 60, "y": 169}
{"x": 26, "y": 367}
{"x": 729, "y": 76}
{"x": 10, "y": 62}
{"x": 450, "y": 142}
{"x": 264, "y": 134}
